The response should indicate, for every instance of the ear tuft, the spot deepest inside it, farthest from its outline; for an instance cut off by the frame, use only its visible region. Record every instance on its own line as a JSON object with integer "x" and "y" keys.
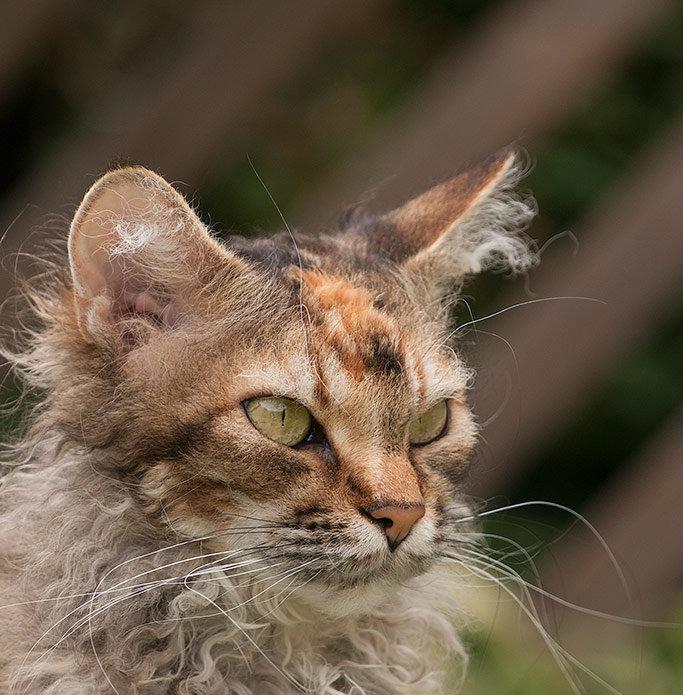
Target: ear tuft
{"x": 468, "y": 224}
{"x": 489, "y": 234}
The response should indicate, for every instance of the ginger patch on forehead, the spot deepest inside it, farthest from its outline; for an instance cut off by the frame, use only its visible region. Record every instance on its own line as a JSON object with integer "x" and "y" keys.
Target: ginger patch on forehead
{"x": 354, "y": 304}
{"x": 365, "y": 339}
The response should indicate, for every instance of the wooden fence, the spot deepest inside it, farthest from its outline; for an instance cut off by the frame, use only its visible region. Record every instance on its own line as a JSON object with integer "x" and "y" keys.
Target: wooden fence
{"x": 523, "y": 69}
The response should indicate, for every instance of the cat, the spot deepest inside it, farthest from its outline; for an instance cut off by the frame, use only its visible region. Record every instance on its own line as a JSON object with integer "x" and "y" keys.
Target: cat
{"x": 243, "y": 473}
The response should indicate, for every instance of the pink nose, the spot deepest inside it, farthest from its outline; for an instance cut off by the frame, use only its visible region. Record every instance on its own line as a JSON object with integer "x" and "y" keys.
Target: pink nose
{"x": 397, "y": 521}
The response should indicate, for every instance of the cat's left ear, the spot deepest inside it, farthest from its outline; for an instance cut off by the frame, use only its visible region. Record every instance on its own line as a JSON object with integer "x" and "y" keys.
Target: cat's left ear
{"x": 137, "y": 251}
{"x": 470, "y": 223}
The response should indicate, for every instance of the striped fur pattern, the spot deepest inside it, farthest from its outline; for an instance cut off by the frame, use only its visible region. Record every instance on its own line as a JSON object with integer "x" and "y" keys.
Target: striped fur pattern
{"x": 151, "y": 539}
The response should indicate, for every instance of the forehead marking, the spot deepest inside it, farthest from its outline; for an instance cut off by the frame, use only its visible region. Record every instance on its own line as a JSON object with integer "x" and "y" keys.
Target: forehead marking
{"x": 364, "y": 338}
{"x": 420, "y": 378}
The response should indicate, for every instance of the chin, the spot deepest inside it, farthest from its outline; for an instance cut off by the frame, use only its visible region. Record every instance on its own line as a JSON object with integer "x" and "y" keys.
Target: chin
{"x": 337, "y": 602}
{"x": 355, "y": 591}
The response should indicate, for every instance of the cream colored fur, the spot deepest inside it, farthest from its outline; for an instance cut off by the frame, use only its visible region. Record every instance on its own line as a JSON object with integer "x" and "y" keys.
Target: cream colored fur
{"x": 144, "y": 537}
{"x": 401, "y": 645}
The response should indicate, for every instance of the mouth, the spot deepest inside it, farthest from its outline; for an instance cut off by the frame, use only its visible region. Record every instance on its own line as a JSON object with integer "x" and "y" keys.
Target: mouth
{"x": 341, "y": 570}
{"x": 340, "y": 556}
{"x": 349, "y": 588}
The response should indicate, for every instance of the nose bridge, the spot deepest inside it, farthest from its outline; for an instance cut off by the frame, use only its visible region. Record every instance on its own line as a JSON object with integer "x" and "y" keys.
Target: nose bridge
{"x": 390, "y": 479}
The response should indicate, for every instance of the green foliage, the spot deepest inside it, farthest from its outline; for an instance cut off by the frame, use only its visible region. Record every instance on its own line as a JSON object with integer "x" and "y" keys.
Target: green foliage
{"x": 634, "y": 661}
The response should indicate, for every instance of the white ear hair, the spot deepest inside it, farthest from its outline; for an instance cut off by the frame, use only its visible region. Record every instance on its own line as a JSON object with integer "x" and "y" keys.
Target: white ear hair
{"x": 468, "y": 224}
{"x": 488, "y": 234}
{"x": 134, "y": 246}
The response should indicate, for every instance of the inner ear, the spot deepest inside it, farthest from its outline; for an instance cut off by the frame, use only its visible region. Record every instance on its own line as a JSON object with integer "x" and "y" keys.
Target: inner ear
{"x": 135, "y": 312}
{"x": 135, "y": 248}
{"x": 147, "y": 305}
{"x": 158, "y": 305}
{"x": 116, "y": 277}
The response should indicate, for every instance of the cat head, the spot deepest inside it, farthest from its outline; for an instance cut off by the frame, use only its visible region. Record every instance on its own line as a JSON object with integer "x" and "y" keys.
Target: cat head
{"x": 301, "y": 390}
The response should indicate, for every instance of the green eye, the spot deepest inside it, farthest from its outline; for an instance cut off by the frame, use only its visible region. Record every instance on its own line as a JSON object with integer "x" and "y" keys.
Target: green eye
{"x": 429, "y": 425}
{"x": 281, "y": 419}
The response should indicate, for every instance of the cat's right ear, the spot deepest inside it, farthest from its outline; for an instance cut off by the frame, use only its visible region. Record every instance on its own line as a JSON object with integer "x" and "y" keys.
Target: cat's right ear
{"x": 136, "y": 250}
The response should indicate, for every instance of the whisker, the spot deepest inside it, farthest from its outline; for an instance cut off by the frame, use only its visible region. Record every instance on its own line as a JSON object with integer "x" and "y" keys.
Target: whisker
{"x": 474, "y": 322}
{"x": 133, "y": 592}
{"x": 138, "y": 557}
{"x": 519, "y": 549}
{"x": 478, "y": 567}
{"x": 296, "y": 588}
{"x": 508, "y": 392}
{"x": 287, "y": 572}
{"x": 211, "y": 615}
{"x": 299, "y": 261}
{"x": 515, "y": 576}
{"x": 521, "y": 304}
{"x": 579, "y": 517}
{"x": 285, "y": 675}
{"x": 556, "y": 237}
{"x": 136, "y": 591}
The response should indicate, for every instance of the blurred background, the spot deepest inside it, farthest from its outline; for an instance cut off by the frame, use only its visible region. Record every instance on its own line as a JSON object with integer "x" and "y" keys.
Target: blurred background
{"x": 373, "y": 101}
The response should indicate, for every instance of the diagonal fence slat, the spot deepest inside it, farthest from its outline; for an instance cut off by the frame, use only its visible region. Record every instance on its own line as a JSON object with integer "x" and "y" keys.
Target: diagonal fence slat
{"x": 176, "y": 112}
{"x": 520, "y": 73}
{"x": 641, "y": 519}
{"x": 629, "y": 260}
{"x": 23, "y": 29}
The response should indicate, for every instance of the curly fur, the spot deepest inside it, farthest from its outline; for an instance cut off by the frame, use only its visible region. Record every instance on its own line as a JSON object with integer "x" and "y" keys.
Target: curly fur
{"x": 160, "y": 640}
{"x": 151, "y": 541}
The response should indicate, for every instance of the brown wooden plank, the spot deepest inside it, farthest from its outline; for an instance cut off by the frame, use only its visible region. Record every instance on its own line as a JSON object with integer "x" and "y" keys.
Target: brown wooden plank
{"x": 525, "y": 69}
{"x": 640, "y": 516}
{"x": 175, "y": 113}
{"x": 24, "y": 28}
{"x": 629, "y": 258}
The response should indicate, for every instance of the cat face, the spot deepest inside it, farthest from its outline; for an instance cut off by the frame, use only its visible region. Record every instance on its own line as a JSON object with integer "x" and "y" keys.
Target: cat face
{"x": 302, "y": 393}
{"x": 364, "y": 375}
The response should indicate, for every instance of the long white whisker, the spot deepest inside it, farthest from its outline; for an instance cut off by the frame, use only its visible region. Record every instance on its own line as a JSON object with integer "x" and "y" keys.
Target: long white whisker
{"x": 577, "y": 516}
{"x": 202, "y": 572}
{"x": 474, "y": 565}
{"x": 296, "y": 588}
{"x": 285, "y": 675}
{"x": 296, "y": 249}
{"x": 287, "y": 574}
{"x": 506, "y": 399}
{"x": 302, "y": 307}
{"x": 532, "y": 614}
{"x": 500, "y": 564}
{"x": 135, "y": 591}
{"x": 520, "y": 304}
{"x": 474, "y": 322}
{"x": 91, "y": 593}
{"x": 78, "y": 624}
{"x": 211, "y": 615}
{"x": 519, "y": 549}
{"x": 96, "y": 655}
